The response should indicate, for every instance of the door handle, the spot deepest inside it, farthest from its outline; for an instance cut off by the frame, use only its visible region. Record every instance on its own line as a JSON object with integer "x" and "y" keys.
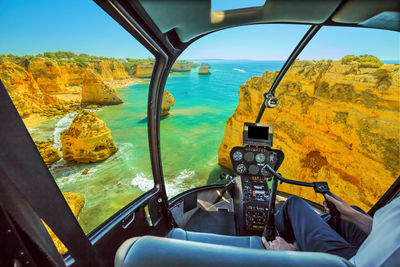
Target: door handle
{"x": 127, "y": 220}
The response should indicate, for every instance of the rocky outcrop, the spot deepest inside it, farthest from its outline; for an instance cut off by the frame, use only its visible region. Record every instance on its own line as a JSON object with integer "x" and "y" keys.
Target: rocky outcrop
{"x": 335, "y": 122}
{"x": 181, "y": 66}
{"x": 88, "y": 139}
{"x": 94, "y": 90}
{"x": 44, "y": 85}
{"x": 203, "y": 70}
{"x": 144, "y": 70}
{"x": 76, "y": 203}
{"x": 168, "y": 101}
{"x": 48, "y": 152}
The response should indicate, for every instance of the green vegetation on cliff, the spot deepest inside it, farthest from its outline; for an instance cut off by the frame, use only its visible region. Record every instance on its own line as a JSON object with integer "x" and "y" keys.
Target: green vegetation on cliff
{"x": 364, "y": 61}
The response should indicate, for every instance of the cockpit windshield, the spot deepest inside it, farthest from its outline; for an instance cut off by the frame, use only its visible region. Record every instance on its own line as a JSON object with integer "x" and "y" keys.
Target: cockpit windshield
{"x": 80, "y": 82}
{"x": 337, "y": 119}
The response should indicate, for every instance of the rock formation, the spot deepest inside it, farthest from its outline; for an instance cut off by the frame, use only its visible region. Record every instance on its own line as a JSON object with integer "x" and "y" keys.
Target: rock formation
{"x": 94, "y": 90}
{"x": 181, "y": 66}
{"x": 44, "y": 85}
{"x": 168, "y": 101}
{"x": 88, "y": 139}
{"x": 144, "y": 70}
{"x": 48, "y": 152}
{"x": 76, "y": 203}
{"x": 335, "y": 122}
{"x": 203, "y": 70}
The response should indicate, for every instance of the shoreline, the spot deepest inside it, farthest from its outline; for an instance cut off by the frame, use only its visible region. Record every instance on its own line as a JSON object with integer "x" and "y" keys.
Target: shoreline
{"x": 34, "y": 119}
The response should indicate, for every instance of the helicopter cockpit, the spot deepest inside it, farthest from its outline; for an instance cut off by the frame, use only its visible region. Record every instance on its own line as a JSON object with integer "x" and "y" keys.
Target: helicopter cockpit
{"x": 99, "y": 168}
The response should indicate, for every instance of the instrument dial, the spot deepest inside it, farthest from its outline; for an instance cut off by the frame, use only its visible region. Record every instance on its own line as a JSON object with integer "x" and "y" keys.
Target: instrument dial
{"x": 241, "y": 168}
{"x": 272, "y": 158}
{"x": 260, "y": 157}
{"x": 249, "y": 156}
{"x": 253, "y": 169}
{"x": 265, "y": 172}
{"x": 237, "y": 156}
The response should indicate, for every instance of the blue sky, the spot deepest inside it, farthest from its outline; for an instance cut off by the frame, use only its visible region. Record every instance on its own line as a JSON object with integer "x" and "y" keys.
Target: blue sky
{"x": 32, "y": 27}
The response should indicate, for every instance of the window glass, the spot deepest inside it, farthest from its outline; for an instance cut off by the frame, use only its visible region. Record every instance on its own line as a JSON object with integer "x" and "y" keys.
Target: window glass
{"x": 339, "y": 115}
{"x": 80, "y": 83}
{"x": 202, "y": 93}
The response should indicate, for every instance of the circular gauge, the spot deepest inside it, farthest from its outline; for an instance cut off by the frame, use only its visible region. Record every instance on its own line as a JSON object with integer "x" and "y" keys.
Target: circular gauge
{"x": 237, "y": 155}
{"x": 249, "y": 156}
{"x": 253, "y": 169}
{"x": 260, "y": 157}
{"x": 241, "y": 168}
{"x": 264, "y": 172}
{"x": 272, "y": 158}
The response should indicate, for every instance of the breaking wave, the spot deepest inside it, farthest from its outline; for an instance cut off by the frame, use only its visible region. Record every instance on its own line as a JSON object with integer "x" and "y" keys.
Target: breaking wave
{"x": 240, "y": 70}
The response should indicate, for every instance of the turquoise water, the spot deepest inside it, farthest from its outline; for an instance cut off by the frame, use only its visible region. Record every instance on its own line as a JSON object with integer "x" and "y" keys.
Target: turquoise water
{"x": 190, "y": 137}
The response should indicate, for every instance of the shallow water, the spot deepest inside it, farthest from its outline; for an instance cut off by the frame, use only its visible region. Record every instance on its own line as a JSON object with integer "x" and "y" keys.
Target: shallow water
{"x": 190, "y": 138}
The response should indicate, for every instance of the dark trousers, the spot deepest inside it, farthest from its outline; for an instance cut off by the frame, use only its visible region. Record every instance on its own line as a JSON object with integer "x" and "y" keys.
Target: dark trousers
{"x": 297, "y": 221}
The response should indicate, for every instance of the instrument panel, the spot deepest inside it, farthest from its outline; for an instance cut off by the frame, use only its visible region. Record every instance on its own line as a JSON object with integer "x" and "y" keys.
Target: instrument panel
{"x": 250, "y": 160}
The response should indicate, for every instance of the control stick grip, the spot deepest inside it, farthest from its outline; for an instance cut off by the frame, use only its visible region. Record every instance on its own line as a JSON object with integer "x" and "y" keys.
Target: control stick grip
{"x": 332, "y": 208}
{"x": 323, "y": 188}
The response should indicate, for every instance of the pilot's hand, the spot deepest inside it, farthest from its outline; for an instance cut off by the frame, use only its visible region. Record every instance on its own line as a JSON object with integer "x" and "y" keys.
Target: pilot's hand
{"x": 278, "y": 244}
{"x": 346, "y": 212}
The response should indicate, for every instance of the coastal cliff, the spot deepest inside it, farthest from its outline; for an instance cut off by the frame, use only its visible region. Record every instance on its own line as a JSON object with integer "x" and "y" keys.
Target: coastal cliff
{"x": 88, "y": 139}
{"x": 336, "y": 121}
{"x": 45, "y": 85}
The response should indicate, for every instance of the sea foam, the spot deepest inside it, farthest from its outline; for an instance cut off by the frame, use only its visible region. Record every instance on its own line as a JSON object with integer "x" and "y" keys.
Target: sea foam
{"x": 240, "y": 70}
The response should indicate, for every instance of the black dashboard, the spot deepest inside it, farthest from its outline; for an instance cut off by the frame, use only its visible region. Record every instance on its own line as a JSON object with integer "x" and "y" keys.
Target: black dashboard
{"x": 252, "y": 190}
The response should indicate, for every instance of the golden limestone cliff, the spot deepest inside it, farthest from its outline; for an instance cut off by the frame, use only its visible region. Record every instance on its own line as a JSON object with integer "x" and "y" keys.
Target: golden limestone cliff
{"x": 144, "y": 70}
{"x": 168, "y": 101}
{"x": 337, "y": 123}
{"x": 181, "y": 66}
{"x": 76, "y": 203}
{"x": 42, "y": 85}
{"x": 88, "y": 139}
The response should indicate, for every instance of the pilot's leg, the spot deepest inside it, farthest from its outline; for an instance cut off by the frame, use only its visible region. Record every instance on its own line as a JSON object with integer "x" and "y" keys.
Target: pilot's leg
{"x": 349, "y": 231}
{"x": 297, "y": 221}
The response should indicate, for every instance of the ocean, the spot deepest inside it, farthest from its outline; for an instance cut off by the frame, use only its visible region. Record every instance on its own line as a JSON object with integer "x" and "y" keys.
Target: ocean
{"x": 190, "y": 137}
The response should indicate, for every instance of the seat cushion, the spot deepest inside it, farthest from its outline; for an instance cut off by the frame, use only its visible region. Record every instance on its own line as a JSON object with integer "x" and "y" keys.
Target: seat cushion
{"x": 236, "y": 241}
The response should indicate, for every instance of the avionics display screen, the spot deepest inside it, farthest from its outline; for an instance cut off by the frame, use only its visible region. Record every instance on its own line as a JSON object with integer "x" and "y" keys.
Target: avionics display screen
{"x": 257, "y": 132}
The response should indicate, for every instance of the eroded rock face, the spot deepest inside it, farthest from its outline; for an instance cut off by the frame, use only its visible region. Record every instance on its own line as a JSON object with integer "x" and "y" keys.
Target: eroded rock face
{"x": 48, "y": 152}
{"x": 94, "y": 90}
{"x": 336, "y": 123}
{"x": 144, "y": 70}
{"x": 76, "y": 203}
{"x": 88, "y": 139}
{"x": 42, "y": 85}
{"x": 168, "y": 101}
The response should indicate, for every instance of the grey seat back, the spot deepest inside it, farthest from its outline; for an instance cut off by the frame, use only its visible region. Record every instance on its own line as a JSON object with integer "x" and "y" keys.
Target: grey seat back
{"x": 157, "y": 251}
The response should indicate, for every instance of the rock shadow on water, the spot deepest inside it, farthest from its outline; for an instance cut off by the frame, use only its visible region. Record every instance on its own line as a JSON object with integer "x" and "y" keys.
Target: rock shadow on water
{"x": 144, "y": 120}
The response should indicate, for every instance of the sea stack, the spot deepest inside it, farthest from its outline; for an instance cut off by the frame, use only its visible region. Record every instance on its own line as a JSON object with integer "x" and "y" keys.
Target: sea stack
{"x": 204, "y": 69}
{"x": 168, "y": 101}
{"x": 87, "y": 140}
